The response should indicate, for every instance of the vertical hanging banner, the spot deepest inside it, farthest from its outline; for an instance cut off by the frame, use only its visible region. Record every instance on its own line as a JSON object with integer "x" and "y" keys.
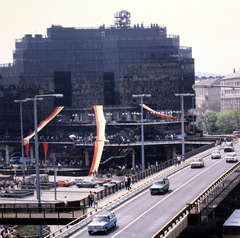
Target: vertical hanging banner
{"x": 99, "y": 143}
{"x": 27, "y": 148}
{"x": 45, "y": 146}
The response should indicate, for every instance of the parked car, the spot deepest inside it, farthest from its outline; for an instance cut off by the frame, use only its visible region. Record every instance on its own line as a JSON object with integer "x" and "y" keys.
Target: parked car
{"x": 215, "y": 154}
{"x": 63, "y": 183}
{"x": 102, "y": 221}
{"x": 231, "y": 157}
{"x": 100, "y": 183}
{"x": 229, "y": 147}
{"x": 86, "y": 184}
{"x": 160, "y": 185}
{"x": 197, "y": 163}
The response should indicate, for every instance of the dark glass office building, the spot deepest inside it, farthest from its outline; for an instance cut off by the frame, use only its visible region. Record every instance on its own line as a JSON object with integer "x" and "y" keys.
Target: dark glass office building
{"x": 98, "y": 66}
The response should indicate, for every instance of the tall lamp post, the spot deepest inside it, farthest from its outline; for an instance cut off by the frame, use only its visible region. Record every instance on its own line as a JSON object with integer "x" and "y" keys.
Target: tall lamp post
{"x": 142, "y": 136}
{"x": 182, "y": 116}
{"x": 23, "y": 160}
{"x": 193, "y": 113}
{"x": 39, "y": 97}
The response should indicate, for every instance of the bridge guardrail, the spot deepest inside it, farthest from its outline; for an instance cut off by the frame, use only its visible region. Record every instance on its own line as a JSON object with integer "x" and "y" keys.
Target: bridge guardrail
{"x": 185, "y": 211}
{"x": 86, "y": 218}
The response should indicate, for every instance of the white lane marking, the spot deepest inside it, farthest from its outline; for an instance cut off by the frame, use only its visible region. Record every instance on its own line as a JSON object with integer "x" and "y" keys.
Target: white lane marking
{"x": 164, "y": 199}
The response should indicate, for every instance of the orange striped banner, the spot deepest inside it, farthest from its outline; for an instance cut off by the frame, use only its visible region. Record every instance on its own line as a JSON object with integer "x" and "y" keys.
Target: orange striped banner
{"x": 42, "y": 124}
{"x": 99, "y": 143}
{"x": 157, "y": 113}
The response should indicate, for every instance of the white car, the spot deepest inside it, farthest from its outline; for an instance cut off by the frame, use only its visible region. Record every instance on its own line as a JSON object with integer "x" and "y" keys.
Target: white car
{"x": 215, "y": 154}
{"x": 231, "y": 157}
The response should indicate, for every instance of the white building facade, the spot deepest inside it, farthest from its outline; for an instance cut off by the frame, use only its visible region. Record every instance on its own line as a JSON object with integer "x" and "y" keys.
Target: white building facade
{"x": 205, "y": 91}
{"x": 230, "y": 91}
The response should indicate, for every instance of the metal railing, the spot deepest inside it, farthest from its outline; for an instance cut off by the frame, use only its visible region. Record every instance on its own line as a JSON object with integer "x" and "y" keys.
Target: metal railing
{"x": 198, "y": 204}
{"x": 86, "y": 218}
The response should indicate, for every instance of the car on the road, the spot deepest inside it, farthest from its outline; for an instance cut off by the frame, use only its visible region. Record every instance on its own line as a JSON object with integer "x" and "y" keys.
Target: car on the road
{"x": 229, "y": 147}
{"x": 86, "y": 184}
{"x": 231, "y": 157}
{"x": 100, "y": 183}
{"x": 102, "y": 221}
{"x": 236, "y": 133}
{"x": 197, "y": 163}
{"x": 63, "y": 183}
{"x": 159, "y": 185}
{"x": 215, "y": 154}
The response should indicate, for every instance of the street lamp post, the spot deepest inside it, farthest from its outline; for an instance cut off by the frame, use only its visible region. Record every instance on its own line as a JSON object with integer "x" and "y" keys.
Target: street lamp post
{"x": 193, "y": 113}
{"x": 142, "y": 130}
{"x": 39, "y": 97}
{"x": 182, "y": 117}
{"x": 23, "y": 160}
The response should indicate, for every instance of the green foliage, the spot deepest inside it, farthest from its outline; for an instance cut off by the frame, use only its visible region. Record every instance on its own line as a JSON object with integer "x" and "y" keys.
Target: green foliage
{"x": 222, "y": 122}
{"x": 119, "y": 173}
{"x": 27, "y": 230}
{"x": 211, "y": 118}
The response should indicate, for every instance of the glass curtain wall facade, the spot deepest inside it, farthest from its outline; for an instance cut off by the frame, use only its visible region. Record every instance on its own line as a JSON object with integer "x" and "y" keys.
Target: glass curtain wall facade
{"x": 106, "y": 67}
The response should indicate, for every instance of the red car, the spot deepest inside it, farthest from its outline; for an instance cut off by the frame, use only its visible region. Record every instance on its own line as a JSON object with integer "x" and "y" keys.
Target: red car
{"x": 104, "y": 181}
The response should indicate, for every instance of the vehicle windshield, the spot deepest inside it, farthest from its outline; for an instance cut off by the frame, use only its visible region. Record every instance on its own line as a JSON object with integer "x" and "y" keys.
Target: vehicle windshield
{"x": 231, "y": 155}
{"x": 100, "y": 219}
{"x": 215, "y": 152}
{"x": 197, "y": 160}
{"x": 158, "y": 182}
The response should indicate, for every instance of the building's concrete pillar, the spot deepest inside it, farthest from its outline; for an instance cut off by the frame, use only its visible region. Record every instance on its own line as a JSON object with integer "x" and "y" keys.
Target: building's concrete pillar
{"x": 86, "y": 157}
{"x": 174, "y": 150}
{"x": 168, "y": 153}
{"x": 7, "y": 154}
{"x": 31, "y": 153}
{"x": 133, "y": 159}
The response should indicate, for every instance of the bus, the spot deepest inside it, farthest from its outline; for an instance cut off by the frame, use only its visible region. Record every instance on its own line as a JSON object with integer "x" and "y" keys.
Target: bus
{"x": 231, "y": 227}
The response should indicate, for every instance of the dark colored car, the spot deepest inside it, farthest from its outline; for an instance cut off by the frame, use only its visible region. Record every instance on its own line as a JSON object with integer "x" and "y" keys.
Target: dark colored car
{"x": 160, "y": 185}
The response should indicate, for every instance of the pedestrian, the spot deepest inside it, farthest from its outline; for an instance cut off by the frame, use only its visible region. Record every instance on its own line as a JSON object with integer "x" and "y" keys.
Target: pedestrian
{"x": 66, "y": 203}
{"x": 90, "y": 199}
{"x": 129, "y": 181}
{"x": 93, "y": 173}
{"x": 126, "y": 181}
{"x": 4, "y": 232}
{"x": 7, "y": 235}
{"x": 175, "y": 160}
{"x": 95, "y": 201}
{"x": 183, "y": 158}
{"x": 179, "y": 159}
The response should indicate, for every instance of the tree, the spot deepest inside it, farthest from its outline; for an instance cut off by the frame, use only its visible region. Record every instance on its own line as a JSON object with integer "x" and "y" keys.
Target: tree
{"x": 201, "y": 119}
{"x": 211, "y": 118}
{"x": 226, "y": 121}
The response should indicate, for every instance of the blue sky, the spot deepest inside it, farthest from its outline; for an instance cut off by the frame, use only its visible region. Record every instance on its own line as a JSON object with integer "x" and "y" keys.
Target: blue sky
{"x": 210, "y": 27}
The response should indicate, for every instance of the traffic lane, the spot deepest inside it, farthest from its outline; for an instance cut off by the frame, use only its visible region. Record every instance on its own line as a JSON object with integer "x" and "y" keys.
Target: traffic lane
{"x": 136, "y": 208}
{"x": 167, "y": 209}
{"x": 133, "y": 211}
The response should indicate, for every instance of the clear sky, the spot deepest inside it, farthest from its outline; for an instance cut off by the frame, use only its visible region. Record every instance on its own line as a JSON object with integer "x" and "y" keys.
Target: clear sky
{"x": 210, "y": 27}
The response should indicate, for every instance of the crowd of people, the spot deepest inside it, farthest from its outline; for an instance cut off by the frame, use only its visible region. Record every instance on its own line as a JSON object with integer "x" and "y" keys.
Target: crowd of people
{"x": 6, "y": 233}
{"x": 178, "y": 159}
{"x": 6, "y": 186}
